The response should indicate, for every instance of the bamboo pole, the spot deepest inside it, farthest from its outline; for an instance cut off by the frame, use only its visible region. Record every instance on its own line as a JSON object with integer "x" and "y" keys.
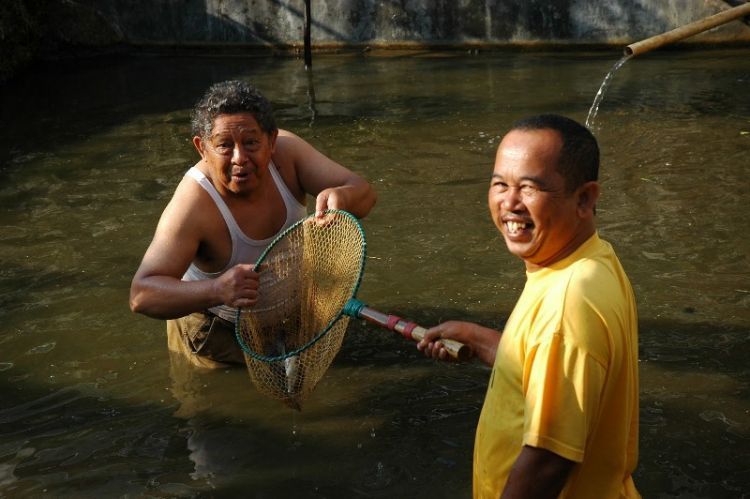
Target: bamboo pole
{"x": 688, "y": 30}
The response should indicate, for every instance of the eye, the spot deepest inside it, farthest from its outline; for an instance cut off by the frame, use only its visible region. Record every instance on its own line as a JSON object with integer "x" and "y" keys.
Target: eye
{"x": 499, "y": 185}
{"x": 222, "y": 145}
{"x": 529, "y": 189}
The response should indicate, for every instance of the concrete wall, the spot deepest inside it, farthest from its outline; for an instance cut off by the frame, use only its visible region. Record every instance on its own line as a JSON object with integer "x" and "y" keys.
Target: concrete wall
{"x": 383, "y": 22}
{"x": 31, "y": 27}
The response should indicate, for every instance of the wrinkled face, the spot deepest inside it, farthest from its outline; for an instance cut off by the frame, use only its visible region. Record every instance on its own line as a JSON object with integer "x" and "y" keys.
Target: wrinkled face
{"x": 528, "y": 201}
{"x": 237, "y": 152}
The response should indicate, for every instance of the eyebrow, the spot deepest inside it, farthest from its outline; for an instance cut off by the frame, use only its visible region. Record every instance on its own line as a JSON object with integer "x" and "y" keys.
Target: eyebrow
{"x": 243, "y": 130}
{"x": 535, "y": 180}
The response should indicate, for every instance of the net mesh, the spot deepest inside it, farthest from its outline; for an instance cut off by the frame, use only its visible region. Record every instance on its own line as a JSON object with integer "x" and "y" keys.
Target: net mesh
{"x": 296, "y": 328}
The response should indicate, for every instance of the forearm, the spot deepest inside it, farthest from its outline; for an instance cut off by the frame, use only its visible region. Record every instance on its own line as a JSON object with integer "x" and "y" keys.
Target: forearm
{"x": 356, "y": 196}
{"x": 364, "y": 198}
{"x": 537, "y": 474}
{"x": 484, "y": 341}
{"x": 163, "y": 297}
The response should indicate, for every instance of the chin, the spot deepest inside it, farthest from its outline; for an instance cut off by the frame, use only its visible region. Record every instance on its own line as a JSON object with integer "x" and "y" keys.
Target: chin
{"x": 514, "y": 248}
{"x": 521, "y": 250}
{"x": 234, "y": 189}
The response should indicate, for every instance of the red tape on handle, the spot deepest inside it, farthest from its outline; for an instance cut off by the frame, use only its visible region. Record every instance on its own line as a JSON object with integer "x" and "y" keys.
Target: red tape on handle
{"x": 392, "y": 321}
{"x": 408, "y": 328}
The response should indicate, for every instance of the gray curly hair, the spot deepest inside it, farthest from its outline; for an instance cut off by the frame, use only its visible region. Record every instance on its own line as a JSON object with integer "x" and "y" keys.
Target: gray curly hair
{"x": 231, "y": 97}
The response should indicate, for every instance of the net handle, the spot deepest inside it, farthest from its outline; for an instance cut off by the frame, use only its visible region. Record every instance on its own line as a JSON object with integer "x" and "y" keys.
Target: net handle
{"x": 410, "y": 330}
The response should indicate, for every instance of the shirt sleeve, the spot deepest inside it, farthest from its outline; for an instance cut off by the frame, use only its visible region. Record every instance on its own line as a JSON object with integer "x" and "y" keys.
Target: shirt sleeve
{"x": 562, "y": 388}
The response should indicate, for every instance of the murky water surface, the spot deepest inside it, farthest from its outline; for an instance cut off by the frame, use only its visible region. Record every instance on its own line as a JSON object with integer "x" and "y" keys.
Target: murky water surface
{"x": 89, "y": 156}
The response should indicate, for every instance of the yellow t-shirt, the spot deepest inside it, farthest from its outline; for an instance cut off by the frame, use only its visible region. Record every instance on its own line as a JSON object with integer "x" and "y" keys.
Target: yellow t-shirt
{"x": 566, "y": 378}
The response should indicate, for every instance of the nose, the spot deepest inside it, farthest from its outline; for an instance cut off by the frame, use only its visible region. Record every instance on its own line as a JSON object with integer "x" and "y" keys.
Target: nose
{"x": 511, "y": 199}
{"x": 239, "y": 155}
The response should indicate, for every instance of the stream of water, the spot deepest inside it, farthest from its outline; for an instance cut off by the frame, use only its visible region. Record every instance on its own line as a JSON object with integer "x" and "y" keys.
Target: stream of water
{"x": 600, "y": 93}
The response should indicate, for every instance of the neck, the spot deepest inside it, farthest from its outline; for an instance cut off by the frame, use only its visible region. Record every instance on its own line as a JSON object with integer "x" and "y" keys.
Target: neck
{"x": 581, "y": 237}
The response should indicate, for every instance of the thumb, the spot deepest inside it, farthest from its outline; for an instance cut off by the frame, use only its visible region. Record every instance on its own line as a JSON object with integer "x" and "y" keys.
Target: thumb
{"x": 321, "y": 203}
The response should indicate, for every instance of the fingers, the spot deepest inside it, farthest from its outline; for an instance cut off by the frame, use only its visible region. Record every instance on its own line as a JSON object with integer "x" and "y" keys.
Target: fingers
{"x": 330, "y": 199}
{"x": 250, "y": 299}
{"x": 245, "y": 295}
{"x": 434, "y": 350}
{"x": 434, "y": 334}
{"x": 431, "y": 346}
{"x": 432, "y": 342}
{"x": 321, "y": 204}
{"x": 239, "y": 286}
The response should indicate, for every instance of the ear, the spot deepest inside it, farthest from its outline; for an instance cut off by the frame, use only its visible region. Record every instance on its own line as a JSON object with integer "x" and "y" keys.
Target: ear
{"x": 587, "y": 195}
{"x": 199, "y": 146}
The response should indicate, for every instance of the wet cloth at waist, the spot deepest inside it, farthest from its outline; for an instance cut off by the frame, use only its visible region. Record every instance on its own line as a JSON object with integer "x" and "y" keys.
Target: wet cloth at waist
{"x": 205, "y": 339}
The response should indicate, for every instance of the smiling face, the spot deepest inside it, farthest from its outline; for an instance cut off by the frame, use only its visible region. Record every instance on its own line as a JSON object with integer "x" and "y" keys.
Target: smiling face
{"x": 236, "y": 152}
{"x": 541, "y": 221}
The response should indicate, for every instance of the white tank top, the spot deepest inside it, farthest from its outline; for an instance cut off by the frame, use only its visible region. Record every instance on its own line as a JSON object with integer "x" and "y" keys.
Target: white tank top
{"x": 244, "y": 249}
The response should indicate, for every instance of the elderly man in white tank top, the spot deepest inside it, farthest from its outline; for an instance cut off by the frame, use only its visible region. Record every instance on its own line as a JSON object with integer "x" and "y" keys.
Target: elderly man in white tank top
{"x": 250, "y": 184}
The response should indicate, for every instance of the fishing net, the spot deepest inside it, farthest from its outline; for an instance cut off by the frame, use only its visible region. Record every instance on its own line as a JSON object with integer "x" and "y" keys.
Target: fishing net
{"x": 296, "y": 328}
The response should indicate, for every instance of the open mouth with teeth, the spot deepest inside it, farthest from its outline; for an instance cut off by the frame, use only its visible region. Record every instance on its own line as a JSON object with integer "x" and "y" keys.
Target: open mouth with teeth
{"x": 515, "y": 228}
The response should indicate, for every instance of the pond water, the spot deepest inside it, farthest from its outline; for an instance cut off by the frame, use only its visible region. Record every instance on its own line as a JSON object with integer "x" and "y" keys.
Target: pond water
{"x": 90, "y": 405}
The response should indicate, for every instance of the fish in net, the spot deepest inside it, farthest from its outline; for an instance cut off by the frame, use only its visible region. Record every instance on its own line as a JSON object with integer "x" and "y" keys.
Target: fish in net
{"x": 296, "y": 328}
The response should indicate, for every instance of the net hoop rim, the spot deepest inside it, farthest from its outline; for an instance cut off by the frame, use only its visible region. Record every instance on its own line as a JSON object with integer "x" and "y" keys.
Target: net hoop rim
{"x": 265, "y": 358}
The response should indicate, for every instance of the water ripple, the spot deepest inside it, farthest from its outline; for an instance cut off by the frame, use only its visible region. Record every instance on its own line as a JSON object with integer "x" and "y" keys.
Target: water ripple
{"x": 46, "y": 347}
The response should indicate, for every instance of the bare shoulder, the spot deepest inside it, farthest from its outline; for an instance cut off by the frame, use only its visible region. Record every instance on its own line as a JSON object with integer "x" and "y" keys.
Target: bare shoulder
{"x": 188, "y": 196}
{"x": 190, "y": 209}
{"x": 290, "y": 146}
{"x": 182, "y": 226}
{"x": 287, "y": 134}
{"x": 310, "y": 171}
{"x": 296, "y": 152}
{"x": 287, "y": 156}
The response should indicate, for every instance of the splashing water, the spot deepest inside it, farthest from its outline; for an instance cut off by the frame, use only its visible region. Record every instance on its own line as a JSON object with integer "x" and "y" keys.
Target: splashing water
{"x": 600, "y": 94}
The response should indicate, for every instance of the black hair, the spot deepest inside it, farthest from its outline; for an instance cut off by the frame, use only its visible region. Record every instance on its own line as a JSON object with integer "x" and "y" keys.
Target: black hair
{"x": 578, "y": 162}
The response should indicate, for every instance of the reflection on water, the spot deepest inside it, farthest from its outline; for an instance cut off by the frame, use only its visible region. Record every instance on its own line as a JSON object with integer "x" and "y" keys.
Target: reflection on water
{"x": 92, "y": 406}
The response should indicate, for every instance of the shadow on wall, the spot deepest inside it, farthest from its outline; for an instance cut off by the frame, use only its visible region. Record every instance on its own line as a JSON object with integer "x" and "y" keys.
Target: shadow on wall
{"x": 59, "y": 29}
{"x": 271, "y": 23}
{"x": 31, "y": 29}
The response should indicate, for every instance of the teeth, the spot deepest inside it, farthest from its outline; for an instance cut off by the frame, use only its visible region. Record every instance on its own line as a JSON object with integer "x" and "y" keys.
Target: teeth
{"x": 515, "y": 226}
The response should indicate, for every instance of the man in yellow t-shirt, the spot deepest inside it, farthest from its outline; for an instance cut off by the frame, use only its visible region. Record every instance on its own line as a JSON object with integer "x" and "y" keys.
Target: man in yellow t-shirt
{"x": 560, "y": 418}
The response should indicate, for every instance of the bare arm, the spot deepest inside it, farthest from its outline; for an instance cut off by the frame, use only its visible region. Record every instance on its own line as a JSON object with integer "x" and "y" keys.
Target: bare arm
{"x": 157, "y": 289}
{"x": 481, "y": 340}
{"x": 537, "y": 474}
{"x": 334, "y": 186}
